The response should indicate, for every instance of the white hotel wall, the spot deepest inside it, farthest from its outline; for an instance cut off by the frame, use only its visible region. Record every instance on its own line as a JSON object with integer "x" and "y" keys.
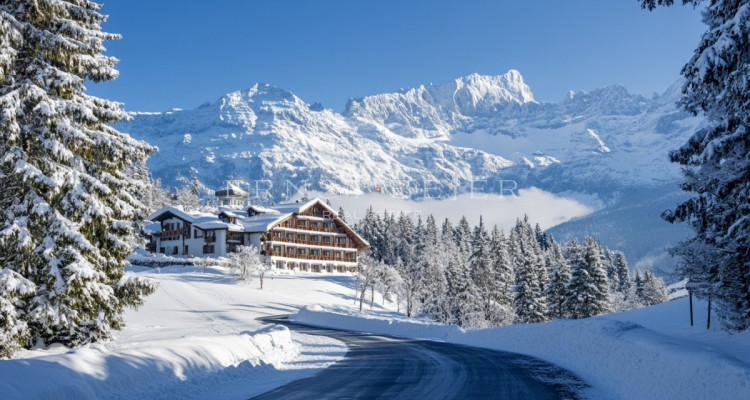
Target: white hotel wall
{"x": 195, "y": 245}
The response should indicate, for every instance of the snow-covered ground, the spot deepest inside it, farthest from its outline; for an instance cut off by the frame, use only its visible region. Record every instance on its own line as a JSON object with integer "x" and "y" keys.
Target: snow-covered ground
{"x": 651, "y": 353}
{"x": 196, "y": 337}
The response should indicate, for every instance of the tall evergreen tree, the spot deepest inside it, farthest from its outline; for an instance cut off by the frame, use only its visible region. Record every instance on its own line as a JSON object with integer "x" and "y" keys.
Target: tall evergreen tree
{"x": 431, "y": 236}
{"x": 715, "y": 159}
{"x": 638, "y": 283}
{"x": 446, "y": 231}
{"x": 481, "y": 264}
{"x": 654, "y": 291}
{"x": 530, "y": 299}
{"x": 432, "y": 286}
{"x": 541, "y": 237}
{"x": 623, "y": 272}
{"x": 589, "y": 289}
{"x": 503, "y": 280}
{"x": 557, "y": 291}
{"x": 405, "y": 236}
{"x": 68, "y": 200}
{"x": 462, "y": 235}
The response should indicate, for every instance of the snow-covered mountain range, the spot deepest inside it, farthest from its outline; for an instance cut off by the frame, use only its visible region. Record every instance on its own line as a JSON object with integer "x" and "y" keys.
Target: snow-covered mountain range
{"x": 431, "y": 140}
{"x": 439, "y": 137}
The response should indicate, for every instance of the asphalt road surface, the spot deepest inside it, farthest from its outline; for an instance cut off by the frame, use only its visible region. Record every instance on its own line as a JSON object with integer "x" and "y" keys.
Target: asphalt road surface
{"x": 381, "y": 367}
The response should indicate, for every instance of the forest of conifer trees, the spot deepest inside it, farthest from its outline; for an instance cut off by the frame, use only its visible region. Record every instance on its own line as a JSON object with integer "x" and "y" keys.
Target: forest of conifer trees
{"x": 479, "y": 277}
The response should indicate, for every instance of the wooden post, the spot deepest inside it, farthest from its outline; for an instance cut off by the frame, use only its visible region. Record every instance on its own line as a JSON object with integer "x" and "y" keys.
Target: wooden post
{"x": 708, "y": 323}
{"x": 690, "y": 293}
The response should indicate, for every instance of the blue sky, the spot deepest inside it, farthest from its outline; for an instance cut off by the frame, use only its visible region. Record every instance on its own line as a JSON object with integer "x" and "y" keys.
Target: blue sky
{"x": 184, "y": 53}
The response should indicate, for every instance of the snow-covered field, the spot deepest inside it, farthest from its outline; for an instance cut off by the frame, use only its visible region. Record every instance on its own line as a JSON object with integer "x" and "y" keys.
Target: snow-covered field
{"x": 196, "y": 337}
{"x": 651, "y": 353}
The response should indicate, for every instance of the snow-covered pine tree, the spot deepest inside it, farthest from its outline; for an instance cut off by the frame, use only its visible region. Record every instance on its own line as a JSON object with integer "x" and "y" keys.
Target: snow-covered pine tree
{"x": 150, "y": 192}
{"x": 715, "y": 159}
{"x": 530, "y": 301}
{"x": 385, "y": 237}
{"x": 446, "y": 231}
{"x": 654, "y": 291}
{"x": 67, "y": 225}
{"x": 431, "y": 236}
{"x": 557, "y": 291}
{"x": 624, "y": 297}
{"x": 481, "y": 264}
{"x": 540, "y": 263}
{"x": 541, "y": 237}
{"x": 588, "y": 289}
{"x": 369, "y": 228}
{"x": 433, "y": 286}
{"x": 462, "y": 237}
{"x": 404, "y": 234}
{"x": 419, "y": 239}
{"x": 341, "y": 214}
{"x": 623, "y": 272}
{"x": 389, "y": 252}
{"x": 638, "y": 283}
{"x": 503, "y": 280}
{"x": 15, "y": 290}
{"x": 613, "y": 277}
{"x": 462, "y": 301}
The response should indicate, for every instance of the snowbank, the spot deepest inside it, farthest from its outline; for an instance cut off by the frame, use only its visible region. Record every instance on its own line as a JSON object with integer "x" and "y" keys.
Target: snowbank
{"x": 194, "y": 367}
{"x": 144, "y": 259}
{"x": 620, "y": 359}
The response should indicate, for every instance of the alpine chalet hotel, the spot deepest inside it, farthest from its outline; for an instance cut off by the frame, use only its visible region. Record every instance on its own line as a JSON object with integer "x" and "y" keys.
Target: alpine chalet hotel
{"x": 303, "y": 235}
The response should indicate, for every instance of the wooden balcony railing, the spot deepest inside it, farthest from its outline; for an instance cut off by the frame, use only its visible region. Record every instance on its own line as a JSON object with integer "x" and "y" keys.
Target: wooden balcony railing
{"x": 306, "y": 256}
{"x": 308, "y": 227}
{"x": 209, "y": 239}
{"x": 310, "y": 242}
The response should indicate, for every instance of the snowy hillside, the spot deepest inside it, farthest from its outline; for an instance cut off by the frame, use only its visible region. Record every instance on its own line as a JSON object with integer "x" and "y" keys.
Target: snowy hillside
{"x": 475, "y": 127}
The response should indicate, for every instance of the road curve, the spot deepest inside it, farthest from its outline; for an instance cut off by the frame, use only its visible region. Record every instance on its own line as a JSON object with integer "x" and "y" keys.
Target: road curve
{"x": 393, "y": 368}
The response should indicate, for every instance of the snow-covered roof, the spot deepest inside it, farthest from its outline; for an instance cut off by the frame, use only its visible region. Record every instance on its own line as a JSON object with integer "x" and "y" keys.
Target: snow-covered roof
{"x": 230, "y": 213}
{"x": 261, "y": 209}
{"x": 263, "y": 222}
{"x": 177, "y": 212}
{"x": 299, "y": 206}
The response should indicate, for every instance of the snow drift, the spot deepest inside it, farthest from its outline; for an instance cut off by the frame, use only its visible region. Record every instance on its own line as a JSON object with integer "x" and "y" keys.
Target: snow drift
{"x": 154, "y": 369}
